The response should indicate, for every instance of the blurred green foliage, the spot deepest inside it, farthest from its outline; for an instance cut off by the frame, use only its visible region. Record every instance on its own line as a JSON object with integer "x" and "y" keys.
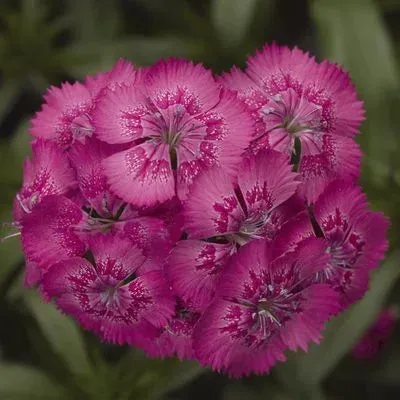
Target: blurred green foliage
{"x": 44, "y": 355}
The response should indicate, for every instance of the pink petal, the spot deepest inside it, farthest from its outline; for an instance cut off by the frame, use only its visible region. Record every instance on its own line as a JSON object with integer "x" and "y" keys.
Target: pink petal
{"x": 325, "y": 158}
{"x": 88, "y": 162}
{"x": 110, "y": 298}
{"x": 320, "y": 303}
{"x": 176, "y": 337}
{"x": 49, "y": 233}
{"x": 332, "y": 84}
{"x": 122, "y": 73}
{"x": 276, "y": 68}
{"x": 194, "y": 267}
{"x": 48, "y": 172}
{"x": 212, "y": 207}
{"x": 176, "y": 81}
{"x": 341, "y": 197}
{"x": 293, "y": 233}
{"x": 141, "y": 175}
{"x": 151, "y": 235}
{"x": 63, "y": 105}
{"x": 118, "y": 114}
{"x": 310, "y": 257}
{"x": 266, "y": 181}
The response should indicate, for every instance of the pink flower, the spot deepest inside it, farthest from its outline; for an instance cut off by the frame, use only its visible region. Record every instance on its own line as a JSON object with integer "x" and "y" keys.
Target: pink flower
{"x": 178, "y": 123}
{"x": 114, "y": 292}
{"x": 263, "y": 307}
{"x": 377, "y": 336}
{"x": 48, "y": 172}
{"x": 222, "y": 212}
{"x": 356, "y": 238}
{"x": 291, "y": 98}
{"x": 66, "y": 115}
{"x": 176, "y": 337}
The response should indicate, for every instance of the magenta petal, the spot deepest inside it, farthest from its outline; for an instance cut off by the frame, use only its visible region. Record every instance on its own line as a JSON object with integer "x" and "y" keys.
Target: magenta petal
{"x": 324, "y": 159}
{"x": 293, "y": 233}
{"x": 320, "y": 302}
{"x": 276, "y": 68}
{"x": 212, "y": 207}
{"x": 162, "y": 306}
{"x": 141, "y": 175}
{"x": 118, "y": 115}
{"x": 48, "y": 172}
{"x": 122, "y": 73}
{"x": 266, "y": 181}
{"x": 56, "y": 120}
{"x": 194, "y": 267}
{"x": 176, "y": 81}
{"x": 336, "y": 85}
{"x": 151, "y": 235}
{"x": 49, "y": 233}
{"x": 87, "y": 159}
{"x": 341, "y": 201}
{"x": 310, "y": 257}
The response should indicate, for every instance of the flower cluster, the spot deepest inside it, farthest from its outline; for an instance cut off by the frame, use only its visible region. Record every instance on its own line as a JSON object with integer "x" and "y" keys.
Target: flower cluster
{"x": 211, "y": 218}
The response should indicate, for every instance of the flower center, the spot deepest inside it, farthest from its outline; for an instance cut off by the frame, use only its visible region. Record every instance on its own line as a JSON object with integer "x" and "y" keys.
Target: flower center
{"x": 293, "y": 113}
{"x": 110, "y": 296}
{"x": 252, "y": 228}
{"x": 81, "y": 127}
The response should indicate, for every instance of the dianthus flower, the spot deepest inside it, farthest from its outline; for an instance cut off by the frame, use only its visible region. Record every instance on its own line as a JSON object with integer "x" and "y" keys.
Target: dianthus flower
{"x": 114, "y": 291}
{"x": 356, "y": 238}
{"x": 293, "y": 98}
{"x": 264, "y": 306}
{"x": 177, "y": 122}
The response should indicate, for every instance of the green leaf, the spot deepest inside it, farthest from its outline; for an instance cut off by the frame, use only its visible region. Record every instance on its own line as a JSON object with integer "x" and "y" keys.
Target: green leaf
{"x": 353, "y": 33}
{"x": 20, "y": 382}
{"x": 62, "y": 334}
{"x": 343, "y": 332}
{"x": 153, "y": 378}
{"x": 231, "y": 19}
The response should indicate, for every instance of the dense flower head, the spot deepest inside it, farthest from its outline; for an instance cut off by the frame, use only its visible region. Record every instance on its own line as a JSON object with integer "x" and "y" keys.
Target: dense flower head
{"x": 214, "y": 219}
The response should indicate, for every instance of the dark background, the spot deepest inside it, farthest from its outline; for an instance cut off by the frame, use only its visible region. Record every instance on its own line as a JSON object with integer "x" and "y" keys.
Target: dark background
{"x": 44, "y": 355}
